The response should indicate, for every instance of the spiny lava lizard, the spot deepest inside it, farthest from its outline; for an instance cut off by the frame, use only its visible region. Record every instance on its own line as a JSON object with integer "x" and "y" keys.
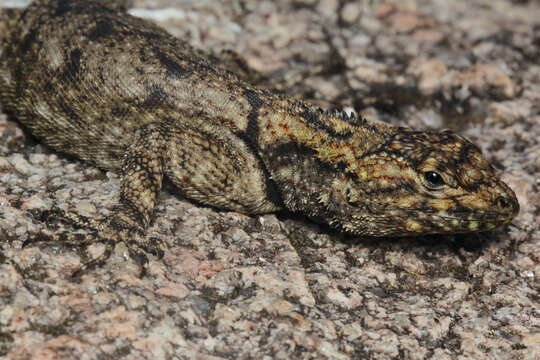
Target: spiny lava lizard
{"x": 117, "y": 91}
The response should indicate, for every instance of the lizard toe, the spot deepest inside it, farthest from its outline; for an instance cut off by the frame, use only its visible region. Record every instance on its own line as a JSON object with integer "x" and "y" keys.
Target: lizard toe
{"x": 96, "y": 262}
{"x": 154, "y": 246}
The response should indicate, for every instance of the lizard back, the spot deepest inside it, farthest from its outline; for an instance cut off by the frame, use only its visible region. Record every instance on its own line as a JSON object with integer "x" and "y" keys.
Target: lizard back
{"x": 83, "y": 76}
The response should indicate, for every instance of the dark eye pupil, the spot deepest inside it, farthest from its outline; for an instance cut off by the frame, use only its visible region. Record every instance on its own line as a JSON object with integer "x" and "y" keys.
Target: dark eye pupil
{"x": 433, "y": 178}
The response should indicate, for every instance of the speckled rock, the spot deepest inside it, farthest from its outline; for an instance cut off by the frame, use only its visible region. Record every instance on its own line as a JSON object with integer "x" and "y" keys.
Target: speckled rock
{"x": 281, "y": 287}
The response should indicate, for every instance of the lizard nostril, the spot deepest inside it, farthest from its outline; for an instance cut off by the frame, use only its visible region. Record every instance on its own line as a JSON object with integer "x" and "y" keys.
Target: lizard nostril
{"x": 503, "y": 203}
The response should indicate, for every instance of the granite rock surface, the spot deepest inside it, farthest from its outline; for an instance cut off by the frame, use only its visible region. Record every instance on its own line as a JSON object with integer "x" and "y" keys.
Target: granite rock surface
{"x": 279, "y": 286}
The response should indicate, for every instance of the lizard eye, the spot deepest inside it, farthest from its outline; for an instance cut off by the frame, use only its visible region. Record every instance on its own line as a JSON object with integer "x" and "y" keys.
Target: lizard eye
{"x": 433, "y": 180}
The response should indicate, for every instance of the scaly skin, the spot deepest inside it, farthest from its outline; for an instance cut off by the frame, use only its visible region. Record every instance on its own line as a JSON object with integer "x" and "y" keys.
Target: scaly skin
{"x": 89, "y": 80}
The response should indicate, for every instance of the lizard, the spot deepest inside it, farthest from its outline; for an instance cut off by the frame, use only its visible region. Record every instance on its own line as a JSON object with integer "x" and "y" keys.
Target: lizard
{"x": 90, "y": 80}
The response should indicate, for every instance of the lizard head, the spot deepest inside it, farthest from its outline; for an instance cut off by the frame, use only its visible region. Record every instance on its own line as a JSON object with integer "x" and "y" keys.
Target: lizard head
{"x": 420, "y": 183}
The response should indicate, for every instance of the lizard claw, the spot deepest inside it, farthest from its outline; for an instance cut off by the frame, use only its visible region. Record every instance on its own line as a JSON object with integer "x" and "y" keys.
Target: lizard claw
{"x": 154, "y": 246}
{"x": 39, "y": 237}
{"x": 100, "y": 260}
{"x": 52, "y": 215}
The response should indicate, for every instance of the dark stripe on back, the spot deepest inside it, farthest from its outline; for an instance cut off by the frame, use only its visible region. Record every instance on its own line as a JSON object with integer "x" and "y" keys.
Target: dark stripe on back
{"x": 289, "y": 150}
{"x": 174, "y": 69}
{"x": 74, "y": 63}
{"x": 29, "y": 40}
{"x": 155, "y": 96}
{"x": 103, "y": 28}
{"x": 251, "y": 139}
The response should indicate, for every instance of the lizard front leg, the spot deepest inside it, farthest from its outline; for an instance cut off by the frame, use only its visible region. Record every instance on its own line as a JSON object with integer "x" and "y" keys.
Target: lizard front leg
{"x": 142, "y": 176}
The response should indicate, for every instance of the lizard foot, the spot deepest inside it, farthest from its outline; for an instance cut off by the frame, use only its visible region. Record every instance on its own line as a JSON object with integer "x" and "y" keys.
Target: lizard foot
{"x": 110, "y": 231}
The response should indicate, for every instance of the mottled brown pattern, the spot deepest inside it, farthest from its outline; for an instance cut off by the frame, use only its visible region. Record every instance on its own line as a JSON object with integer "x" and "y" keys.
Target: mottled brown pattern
{"x": 117, "y": 91}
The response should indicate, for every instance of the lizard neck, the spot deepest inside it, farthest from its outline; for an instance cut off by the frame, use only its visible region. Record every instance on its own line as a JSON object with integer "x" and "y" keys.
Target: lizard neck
{"x": 311, "y": 151}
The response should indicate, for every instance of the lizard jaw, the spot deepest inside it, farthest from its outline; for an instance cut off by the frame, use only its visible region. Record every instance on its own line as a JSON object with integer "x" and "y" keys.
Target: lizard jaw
{"x": 418, "y": 223}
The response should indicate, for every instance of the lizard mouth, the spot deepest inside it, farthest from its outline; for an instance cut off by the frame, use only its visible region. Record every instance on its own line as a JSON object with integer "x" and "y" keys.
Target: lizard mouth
{"x": 418, "y": 222}
{"x": 459, "y": 222}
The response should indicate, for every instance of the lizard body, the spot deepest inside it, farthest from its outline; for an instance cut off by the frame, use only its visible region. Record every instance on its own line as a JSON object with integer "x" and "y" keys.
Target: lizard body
{"x": 121, "y": 93}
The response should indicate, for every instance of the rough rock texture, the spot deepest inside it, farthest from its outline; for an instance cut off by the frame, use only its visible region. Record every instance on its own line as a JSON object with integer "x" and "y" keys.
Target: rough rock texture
{"x": 276, "y": 286}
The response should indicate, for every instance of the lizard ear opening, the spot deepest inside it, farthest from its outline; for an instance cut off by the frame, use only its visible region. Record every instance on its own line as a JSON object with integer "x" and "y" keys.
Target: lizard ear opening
{"x": 351, "y": 197}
